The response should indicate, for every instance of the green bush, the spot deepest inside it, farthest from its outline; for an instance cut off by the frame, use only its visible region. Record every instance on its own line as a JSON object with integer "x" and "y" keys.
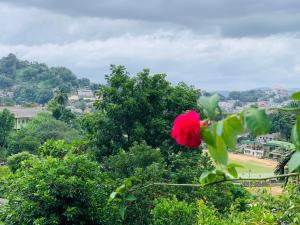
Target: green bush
{"x": 14, "y": 162}
{"x": 172, "y": 211}
{"x": 4, "y": 171}
{"x": 139, "y": 156}
{"x": 56, "y": 149}
{"x": 60, "y": 192}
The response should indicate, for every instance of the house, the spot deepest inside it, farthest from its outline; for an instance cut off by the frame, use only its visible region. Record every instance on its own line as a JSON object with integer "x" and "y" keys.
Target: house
{"x": 263, "y": 139}
{"x": 278, "y": 149}
{"x": 270, "y": 149}
{"x": 22, "y": 114}
{"x": 86, "y": 94}
{"x": 253, "y": 149}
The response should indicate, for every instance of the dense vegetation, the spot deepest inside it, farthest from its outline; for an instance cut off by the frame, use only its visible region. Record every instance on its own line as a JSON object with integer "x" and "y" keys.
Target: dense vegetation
{"x": 100, "y": 168}
{"x": 31, "y": 82}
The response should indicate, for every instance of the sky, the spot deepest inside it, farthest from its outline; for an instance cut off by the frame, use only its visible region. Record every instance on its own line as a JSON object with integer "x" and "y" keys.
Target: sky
{"x": 213, "y": 45}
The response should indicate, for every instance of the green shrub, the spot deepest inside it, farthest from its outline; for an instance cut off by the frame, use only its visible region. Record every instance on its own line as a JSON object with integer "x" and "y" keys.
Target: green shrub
{"x": 4, "y": 171}
{"x": 59, "y": 192}
{"x": 172, "y": 211}
{"x": 14, "y": 162}
{"x": 56, "y": 149}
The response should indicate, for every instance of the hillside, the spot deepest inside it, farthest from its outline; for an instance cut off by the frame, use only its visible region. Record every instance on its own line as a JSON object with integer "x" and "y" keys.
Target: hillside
{"x": 32, "y": 82}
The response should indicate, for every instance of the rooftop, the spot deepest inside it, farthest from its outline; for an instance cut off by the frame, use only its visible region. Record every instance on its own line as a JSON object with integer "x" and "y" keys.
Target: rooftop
{"x": 23, "y": 112}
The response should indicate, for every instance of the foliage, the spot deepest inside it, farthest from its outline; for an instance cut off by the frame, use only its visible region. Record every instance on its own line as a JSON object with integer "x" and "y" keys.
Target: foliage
{"x": 172, "y": 211}
{"x": 81, "y": 105}
{"x": 282, "y": 122}
{"x": 56, "y": 149}
{"x": 141, "y": 156}
{"x": 294, "y": 162}
{"x": 221, "y": 135}
{"x": 42, "y": 128}
{"x": 4, "y": 172}
{"x": 54, "y": 191}
{"x": 247, "y": 96}
{"x": 36, "y": 82}
{"x": 123, "y": 102}
{"x": 261, "y": 209}
{"x": 7, "y": 122}
{"x": 14, "y": 162}
{"x": 58, "y": 107}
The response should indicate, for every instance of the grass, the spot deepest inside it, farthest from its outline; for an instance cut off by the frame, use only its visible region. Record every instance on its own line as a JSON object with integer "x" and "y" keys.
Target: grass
{"x": 255, "y": 169}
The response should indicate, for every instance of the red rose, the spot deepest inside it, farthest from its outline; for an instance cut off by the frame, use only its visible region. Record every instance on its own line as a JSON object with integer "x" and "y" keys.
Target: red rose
{"x": 186, "y": 129}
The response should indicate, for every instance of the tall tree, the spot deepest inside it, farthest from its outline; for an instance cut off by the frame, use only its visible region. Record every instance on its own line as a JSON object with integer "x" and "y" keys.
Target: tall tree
{"x": 7, "y": 121}
{"x": 133, "y": 109}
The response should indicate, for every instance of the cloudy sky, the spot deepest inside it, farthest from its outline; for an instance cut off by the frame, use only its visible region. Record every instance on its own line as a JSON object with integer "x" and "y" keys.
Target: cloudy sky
{"x": 213, "y": 45}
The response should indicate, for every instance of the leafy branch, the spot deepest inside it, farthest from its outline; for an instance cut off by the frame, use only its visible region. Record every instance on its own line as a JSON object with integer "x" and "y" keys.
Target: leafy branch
{"x": 216, "y": 182}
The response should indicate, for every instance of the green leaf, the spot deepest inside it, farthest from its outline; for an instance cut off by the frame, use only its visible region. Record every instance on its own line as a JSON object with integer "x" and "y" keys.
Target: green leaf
{"x": 231, "y": 168}
{"x": 219, "y": 152}
{"x": 210, "y": 104}
{"x": 131, "y": 198}
{"x": 207, "y": 136}
{"x": 296, "y": 96}
{"x": 235, "y": 123}
{"x": 235, "y": 165}
{"x": 112, "y": 196}
{"x": 208, "y": 177}
{"x": 128, "y": 183}
{"x": 122, "y": 211}
{"x": 294, "y": 162}
{"x": 232, "y": 171}
{"x": 256, "y": 120}
{"x": 120, "y": 188}
{"x": 296, "y": 134}
{"x": 228, "y": 134}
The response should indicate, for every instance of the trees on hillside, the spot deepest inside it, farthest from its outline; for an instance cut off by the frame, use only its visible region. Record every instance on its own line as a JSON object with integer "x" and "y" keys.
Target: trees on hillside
{"x": 34, "y": 82}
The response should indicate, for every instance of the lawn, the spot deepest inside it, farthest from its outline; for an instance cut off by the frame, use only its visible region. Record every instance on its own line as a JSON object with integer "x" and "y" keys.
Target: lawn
{"x": 253, "y": 167}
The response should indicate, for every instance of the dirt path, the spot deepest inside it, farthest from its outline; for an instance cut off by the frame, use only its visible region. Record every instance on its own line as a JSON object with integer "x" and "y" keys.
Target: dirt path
{"x": 244, "y": 158}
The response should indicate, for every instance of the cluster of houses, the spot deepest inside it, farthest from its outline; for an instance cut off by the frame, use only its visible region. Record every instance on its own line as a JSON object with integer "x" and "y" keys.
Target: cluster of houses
{"x": 266, "y": 146}
{"x": 274, "y": 98}
{"x": 6, "y": 94}
{"x": 24, "y": 114}
{"x": 83, "y": 94}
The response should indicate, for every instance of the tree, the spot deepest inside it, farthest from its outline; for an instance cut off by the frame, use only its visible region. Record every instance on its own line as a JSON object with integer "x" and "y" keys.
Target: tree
{"x": 58, "y": 107}
{"x": 81, "y": 105}
{"x": 43, "y": 96}
{"x": 84, "y": 82}
{"x": 8, "y": 66}
{"x": 5, "y": 82}
{"x": 7, "y": 122}
{"x": 140, "y": 108}
{"x": 172, "y": 211}
{"x": 61, "y": 97}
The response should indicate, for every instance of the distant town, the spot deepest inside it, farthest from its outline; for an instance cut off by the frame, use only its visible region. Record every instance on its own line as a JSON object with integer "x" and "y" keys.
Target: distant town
{"x": 262, "y": 98}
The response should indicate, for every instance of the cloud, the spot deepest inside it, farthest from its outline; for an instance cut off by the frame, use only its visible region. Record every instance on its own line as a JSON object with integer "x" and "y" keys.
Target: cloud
{"x": 213, "y": 45}
{"x": 233, "y": 18}
{"x": 206, "y": 62}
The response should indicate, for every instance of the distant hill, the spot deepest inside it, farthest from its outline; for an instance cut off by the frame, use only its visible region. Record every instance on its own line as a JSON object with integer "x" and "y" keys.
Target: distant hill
{"x": 32, "y": 82}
